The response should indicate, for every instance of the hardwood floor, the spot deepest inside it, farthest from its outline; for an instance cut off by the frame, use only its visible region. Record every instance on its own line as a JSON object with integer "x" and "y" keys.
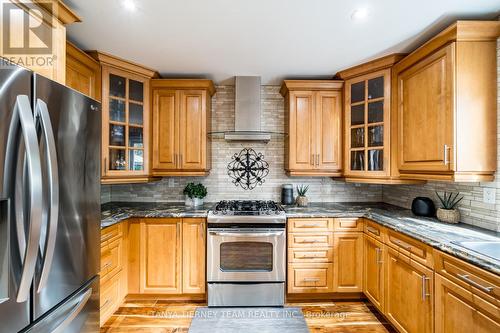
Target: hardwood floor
{"x": 158, "y": 316}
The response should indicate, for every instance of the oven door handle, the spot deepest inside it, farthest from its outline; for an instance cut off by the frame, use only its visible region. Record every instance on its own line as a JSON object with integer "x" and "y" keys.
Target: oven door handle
{"x": 246, "y": 234}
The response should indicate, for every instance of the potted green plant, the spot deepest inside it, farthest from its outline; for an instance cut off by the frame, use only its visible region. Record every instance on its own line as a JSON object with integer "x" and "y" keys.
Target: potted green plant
{"x": 194, "y": 194}
{"x": 302, "y": 200}
{"x": 447, "y": 212}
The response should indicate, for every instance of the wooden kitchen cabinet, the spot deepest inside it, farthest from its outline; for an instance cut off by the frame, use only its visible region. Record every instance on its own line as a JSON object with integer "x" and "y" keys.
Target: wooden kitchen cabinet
{"x": 348, "y": 262}
{"x": 161, "y": 256}
{"x": 181, "y": 123}
{"x": 193, "y": 256}
{"x": 461, "y": 311}
{"x": 125, "y": 120}
{"x": 313, "y": 121}
{"x": 368, "y": 149}
{"x": 445, "y": 96}
{"x": 83, "y": 73}
{"x": 374, "y": 272}
{"x": 409, "y": 294}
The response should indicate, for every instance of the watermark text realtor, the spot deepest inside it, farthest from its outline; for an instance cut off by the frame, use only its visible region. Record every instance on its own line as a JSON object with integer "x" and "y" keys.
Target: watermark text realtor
{"x": 27, "y": 34}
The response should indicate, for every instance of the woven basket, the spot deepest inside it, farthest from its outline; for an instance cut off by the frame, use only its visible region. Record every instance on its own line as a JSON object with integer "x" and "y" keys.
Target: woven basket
{"x": 448, "y": 215}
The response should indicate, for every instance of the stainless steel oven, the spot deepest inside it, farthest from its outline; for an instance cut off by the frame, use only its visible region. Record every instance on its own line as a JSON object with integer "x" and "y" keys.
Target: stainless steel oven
{"x": 249, "y": 255}
{"x": 246, "y": 254}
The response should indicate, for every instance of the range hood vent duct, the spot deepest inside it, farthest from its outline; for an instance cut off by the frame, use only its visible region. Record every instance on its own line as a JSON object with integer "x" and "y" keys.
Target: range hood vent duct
{"x": 247, "y": 118}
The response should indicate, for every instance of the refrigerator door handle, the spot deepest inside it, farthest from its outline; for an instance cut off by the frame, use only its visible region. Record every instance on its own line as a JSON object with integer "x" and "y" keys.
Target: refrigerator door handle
{"x": 42, "y": 119}
{"x": 28, "y": 161}
{"x": 85, "y": 298}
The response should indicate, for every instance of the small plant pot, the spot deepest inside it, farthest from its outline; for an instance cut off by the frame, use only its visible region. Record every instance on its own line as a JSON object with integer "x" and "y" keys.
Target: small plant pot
{"x": 302, "y": 201}
{"x": 448, "y": 215}
{"x": 193, "y": 202}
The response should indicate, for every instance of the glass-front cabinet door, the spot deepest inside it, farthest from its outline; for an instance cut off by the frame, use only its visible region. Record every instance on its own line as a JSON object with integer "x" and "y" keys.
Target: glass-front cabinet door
{"x": 367, "y": 125}
{"x": 125, "y": 125}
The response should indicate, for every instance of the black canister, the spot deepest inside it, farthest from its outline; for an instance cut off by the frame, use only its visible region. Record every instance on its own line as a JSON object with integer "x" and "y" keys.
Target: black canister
{"x": 287, "y": 194}
{"x": 423, "y": 206}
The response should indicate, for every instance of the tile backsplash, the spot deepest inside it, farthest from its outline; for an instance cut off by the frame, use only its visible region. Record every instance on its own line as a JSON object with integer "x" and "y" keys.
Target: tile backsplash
{"x": 219, "y": 184}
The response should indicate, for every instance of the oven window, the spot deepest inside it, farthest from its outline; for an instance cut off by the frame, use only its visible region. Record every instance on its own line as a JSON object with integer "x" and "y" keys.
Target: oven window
{"x": 246, "y": 256}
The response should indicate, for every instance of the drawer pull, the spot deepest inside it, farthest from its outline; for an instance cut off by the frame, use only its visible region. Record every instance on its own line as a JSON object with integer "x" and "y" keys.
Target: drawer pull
{"x": 465, "y": 278}
{"x": 379, "y": 256}
{"x": 105, "y": 238}
{"x": 373, "y": 231}
{"x": 309, "y": 257}
{"x": 311, "y": 279}
{"x": 106, "y": 304}
{"x": 425, "y": 294}
{"x": 403, "y": 245}
{"x": 308, "y": 242}
{"x": 106, "y": 265}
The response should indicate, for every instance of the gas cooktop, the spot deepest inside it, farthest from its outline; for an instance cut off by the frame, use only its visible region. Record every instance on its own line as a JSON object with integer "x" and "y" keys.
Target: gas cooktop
{"x": 247, "y": 207}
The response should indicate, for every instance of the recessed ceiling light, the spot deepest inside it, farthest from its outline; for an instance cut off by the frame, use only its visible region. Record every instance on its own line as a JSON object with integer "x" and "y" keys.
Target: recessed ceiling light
{"x": 129, "y": 5}
{"x": 359, "y": 14}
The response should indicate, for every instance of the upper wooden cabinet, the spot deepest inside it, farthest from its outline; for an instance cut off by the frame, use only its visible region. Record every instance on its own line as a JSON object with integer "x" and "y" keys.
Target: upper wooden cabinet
{"x": 367, "y": 123}
{"x": 313, "y": 121}
{"x": 51, "y": 16}
{"x": 445, "y": 95}
{"x": 181, "y": 122}
{"x": 125, "y": 120}
{"x": 83, "y": 73}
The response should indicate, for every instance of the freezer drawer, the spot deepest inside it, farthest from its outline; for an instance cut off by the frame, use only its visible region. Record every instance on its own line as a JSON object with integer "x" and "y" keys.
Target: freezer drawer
{"x": 78, "y": 314}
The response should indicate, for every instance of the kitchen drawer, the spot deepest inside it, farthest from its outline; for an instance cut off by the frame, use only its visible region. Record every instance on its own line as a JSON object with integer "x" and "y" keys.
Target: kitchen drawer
{"x": 324, "y": 239}
{"x": 470, "y": 277}
{"x": 310, "y": 224}
{"x": 109, "y": 297}
{"x": 348, "y": 224}
{"x": 310, "y": 255}
{"x": 111, "y": 233}
{"x": 410, "y": 247}
{"x": 111, "y": 259}
{"x": 374, "y": 229}
{"x": 310, "y": 278}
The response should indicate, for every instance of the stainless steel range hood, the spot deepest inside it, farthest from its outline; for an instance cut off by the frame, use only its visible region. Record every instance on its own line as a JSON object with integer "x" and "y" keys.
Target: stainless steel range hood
{"x": 247, "y": 118}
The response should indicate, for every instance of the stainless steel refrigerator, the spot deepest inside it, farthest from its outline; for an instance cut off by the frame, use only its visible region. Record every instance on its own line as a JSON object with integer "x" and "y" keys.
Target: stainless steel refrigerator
{"x": 49, "y": 205}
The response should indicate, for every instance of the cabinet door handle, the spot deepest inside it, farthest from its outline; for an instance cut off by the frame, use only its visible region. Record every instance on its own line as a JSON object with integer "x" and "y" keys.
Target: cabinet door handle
{"x": 379, "y": 252}
{"x": 312, "y": 159}
{"x": 403, "y": 245}
{"x": 317, "y": 160}
{"x": 106, "y": 266}
{"x": 180, "y": 162}
{"x": 175, "y": 160}
{"x": 425, "y": 294}
{"x": 105, "y": 165}
{"x": 465, "y": 278}
{"x": 446, "y": 157}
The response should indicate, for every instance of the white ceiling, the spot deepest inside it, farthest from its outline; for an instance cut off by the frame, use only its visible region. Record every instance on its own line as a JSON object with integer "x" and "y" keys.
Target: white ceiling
{"x": 275, "y": 39}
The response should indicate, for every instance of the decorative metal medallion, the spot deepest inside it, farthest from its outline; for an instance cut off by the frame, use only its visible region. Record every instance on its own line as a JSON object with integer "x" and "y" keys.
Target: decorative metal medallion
{"x": 248, "y": 169}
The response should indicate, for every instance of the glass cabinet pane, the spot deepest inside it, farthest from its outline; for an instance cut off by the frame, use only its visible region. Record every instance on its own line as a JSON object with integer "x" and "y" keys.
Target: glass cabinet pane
{"x": 375, "y": 136}
{"x": 136, "y": 160}
{"x": 357, "y": 137}
{"x": 135, "y": 114}
{"x": 357, "y": 114}
{"x": 375, "y": 160}
{"x": 376, "y": 87}
{"x": 135, "y": 139}
{"x": 117, "y": 86}
{"x": 136, "y": 90}
{"x": 376, "y": 112}
{"x": 358, "y": 92}
{"x": 116, "y": 110}
{"x": 116, "y": 135}
{"x": 117, "y": 159}
{"x": 358, "y": 160}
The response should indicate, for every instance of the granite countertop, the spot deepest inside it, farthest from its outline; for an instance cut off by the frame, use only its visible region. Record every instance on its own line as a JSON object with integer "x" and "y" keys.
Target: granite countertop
{"x": 430, "y": 231}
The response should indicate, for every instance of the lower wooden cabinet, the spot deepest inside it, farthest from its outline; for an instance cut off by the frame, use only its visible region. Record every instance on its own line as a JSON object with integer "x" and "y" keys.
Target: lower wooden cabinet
{"x": 171, "y": 258}
{"x": 461, "y": 311}
{"x": 310, "y": 278}
{"x": 348, "y": 262}
{"x": 161, "y": 257}
{"x": 374, "y": 272}
{"x": 409, "y": 294}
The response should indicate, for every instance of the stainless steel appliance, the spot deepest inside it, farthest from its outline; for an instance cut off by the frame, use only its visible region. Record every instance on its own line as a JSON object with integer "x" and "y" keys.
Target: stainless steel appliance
{"x": 49, "y": 205}
{"x": 246, "y": 254}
